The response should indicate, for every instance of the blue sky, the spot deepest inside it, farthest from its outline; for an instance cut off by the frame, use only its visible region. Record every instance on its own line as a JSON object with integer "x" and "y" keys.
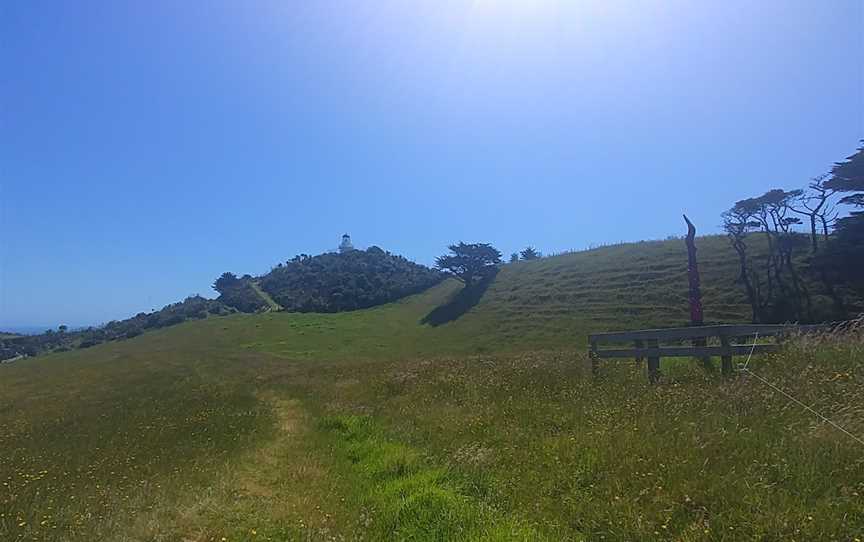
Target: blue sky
{"x": 146, "y": 147}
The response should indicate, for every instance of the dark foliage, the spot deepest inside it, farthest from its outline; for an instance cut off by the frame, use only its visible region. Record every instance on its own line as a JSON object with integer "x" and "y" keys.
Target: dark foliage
{"x": 239, "y": 294}
{"x": 190, "y": 308}
{"x": 346, "y": 281}
{"x": 530, "y": 253}
{"x": 470, "y": 262}
{"x": 844, "y": 255}
{"x": 226, "y": 281}
{"x": 848, "y": 177}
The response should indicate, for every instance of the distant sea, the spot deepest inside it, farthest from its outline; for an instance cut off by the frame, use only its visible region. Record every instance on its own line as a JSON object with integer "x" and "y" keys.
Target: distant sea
{"x": 26, "y": 330}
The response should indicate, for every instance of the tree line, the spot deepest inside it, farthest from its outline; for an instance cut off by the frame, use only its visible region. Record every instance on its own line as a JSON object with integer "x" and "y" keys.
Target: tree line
{"x": 193, "y": 307}
{"x": 811, "y": 275}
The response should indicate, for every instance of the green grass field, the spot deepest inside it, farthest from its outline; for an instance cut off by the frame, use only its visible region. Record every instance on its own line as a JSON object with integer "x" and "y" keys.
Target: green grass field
{"x": 370, "y": 426}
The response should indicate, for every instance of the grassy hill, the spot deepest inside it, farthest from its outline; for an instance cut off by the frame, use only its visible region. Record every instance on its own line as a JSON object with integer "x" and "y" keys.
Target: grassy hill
{"x": 548, "y": 304}
{"x": 555, "y": 301}
{"x": 371, "y": 425}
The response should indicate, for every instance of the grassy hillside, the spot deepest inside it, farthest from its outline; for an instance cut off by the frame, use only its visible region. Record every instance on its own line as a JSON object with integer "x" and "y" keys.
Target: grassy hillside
{"x": 549, "y": 304}
{"x": 554, "y": 301}
{"x": 369, "y": 425}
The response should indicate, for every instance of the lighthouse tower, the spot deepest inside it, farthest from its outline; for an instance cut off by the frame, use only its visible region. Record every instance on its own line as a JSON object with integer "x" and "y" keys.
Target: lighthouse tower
{"x": 345, "y": 245}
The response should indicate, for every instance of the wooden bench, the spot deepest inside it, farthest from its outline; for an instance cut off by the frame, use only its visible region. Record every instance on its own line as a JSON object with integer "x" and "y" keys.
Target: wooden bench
{"x": 646, "y": 343}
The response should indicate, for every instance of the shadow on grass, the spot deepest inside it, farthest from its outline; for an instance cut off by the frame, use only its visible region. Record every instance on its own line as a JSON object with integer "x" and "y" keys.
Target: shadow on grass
{"x": 460, "y": 303}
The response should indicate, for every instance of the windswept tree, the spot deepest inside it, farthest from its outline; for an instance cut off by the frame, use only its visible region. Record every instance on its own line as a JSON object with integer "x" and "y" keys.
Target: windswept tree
{"x": 815, "y": 204}
{"x": 848, "y": 177}
{"x": 530, "y": 253}
{"x": 777, "y": 284}
{"x": 738, "y": 222}
{"x": 470, "y": 262}
{"x": 845, "y": 252}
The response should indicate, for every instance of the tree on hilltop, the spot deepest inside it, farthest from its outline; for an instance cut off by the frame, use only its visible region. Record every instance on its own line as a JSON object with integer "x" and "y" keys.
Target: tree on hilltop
{"x": 530, "y": 253}
{"x": 470, "y": 262}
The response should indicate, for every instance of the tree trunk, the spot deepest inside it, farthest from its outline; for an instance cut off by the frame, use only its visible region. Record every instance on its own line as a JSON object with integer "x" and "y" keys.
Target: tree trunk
{"x": 814, "y": 237}
{"x": 748, "y": 285}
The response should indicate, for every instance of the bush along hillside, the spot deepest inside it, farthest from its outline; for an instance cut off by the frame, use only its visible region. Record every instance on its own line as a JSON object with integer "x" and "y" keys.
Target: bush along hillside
{"x": 192, "y": 308}
{"x": 335, "y": 282}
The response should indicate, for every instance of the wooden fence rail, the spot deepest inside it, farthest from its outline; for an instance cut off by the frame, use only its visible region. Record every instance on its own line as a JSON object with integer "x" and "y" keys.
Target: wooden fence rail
{"x": 646, "y": 343}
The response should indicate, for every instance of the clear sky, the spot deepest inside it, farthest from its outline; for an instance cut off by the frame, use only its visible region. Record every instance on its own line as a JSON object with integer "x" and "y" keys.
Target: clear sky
{"x": 146, "y": 147}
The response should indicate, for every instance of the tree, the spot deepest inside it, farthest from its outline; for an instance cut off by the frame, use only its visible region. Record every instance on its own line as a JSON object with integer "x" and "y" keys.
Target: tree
{"x": 848, "y": 176}
{"x": 778, "y": 284}
{"x": 514, "y": 257}
{"x": 225, "y": 282}
{"x": 816, "y": 205}
{"x": 530, "y": 254}
{"x": 737, "y": 223}
{"x": 470, "y": 262}
{"x": 845, "y": 252}
{"x": 63, "y": 328}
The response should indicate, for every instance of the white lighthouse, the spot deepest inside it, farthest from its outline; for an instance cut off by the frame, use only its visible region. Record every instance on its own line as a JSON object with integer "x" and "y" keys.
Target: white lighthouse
{"x": 345, "y": 245}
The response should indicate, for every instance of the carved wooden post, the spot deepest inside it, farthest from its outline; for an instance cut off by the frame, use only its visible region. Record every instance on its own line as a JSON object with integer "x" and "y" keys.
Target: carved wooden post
{"x": 696, "y": 316}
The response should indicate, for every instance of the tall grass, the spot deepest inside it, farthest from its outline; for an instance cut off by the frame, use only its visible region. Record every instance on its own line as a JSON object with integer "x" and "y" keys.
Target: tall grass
{"x": 697, "y": 458}
{"x": 213, "y": 429}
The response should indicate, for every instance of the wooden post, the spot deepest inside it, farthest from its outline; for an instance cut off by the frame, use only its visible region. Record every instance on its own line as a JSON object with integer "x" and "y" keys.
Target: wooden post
{"x": 592, "y": 354}
{"x": 653, "y": 363}
{"x": 639, "y": 359}
{"x": 695, "y": 292}
{"x": 727, "y": 358}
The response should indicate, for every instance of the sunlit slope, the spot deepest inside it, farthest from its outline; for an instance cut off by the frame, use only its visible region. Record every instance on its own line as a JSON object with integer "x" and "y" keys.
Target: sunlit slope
{"x": 547, "y": 304}
{"x": 554, "y": 301}
{"x": 370, "y": 425}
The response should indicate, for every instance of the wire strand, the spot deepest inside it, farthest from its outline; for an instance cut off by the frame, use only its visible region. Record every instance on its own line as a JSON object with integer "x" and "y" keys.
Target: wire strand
{"x": 825, "y": 419}
{"x": 807, "y": 407}
{"x": 752, "y": 349}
